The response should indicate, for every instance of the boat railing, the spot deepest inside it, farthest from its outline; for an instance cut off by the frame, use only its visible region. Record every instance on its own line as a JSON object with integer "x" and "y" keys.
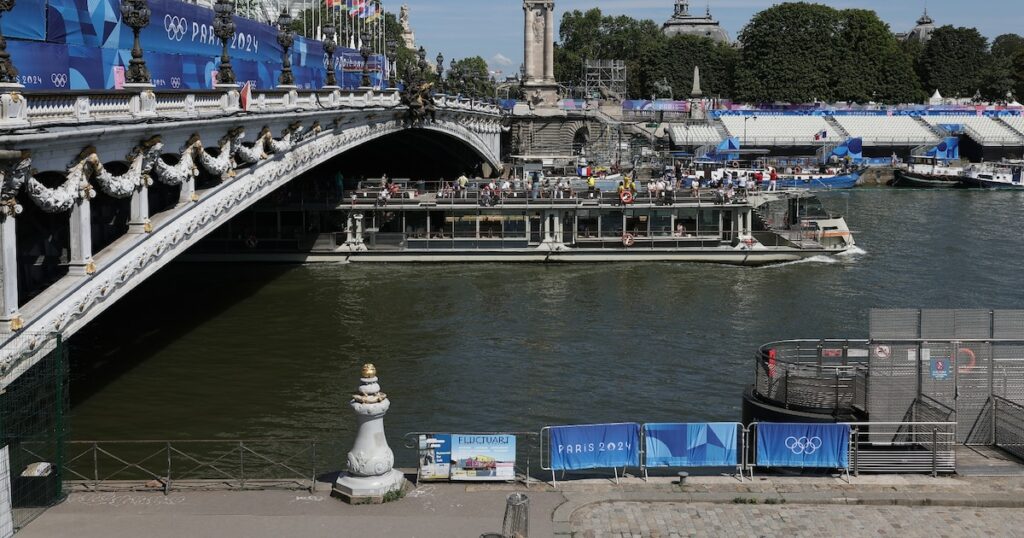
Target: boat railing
{"x": 823, "y": 376}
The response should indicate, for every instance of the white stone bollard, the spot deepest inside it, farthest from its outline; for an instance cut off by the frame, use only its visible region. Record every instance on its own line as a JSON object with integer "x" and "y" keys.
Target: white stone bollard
{"x": 371, "y": 474}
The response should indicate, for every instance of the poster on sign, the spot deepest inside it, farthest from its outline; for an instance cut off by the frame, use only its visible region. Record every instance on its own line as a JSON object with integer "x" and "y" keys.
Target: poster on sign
{"x": 691, "y": 445}
{"x": 435, "y": 456}
{"x": 824, "y": 446}
{"x": 483, "y": 457}
{"x": 596, "y": 446}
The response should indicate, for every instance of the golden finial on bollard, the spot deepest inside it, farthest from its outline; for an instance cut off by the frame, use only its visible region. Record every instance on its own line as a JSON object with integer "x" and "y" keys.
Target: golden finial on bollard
{"x": 369, "y": 371}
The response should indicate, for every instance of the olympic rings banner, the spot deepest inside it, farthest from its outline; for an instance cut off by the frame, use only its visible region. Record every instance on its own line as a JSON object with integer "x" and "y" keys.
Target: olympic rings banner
{"x": 803, "y": 445}
{"x": 596, "y": 446}
{"x": 691, "y": 445}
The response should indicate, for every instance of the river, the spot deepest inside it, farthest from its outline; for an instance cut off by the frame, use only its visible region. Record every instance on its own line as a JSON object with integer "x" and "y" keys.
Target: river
{"x": 253, "y": 351}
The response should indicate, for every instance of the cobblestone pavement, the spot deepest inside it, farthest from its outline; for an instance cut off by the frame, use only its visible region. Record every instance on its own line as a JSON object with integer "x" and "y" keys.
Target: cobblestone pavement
{"x": 676, "y": 520}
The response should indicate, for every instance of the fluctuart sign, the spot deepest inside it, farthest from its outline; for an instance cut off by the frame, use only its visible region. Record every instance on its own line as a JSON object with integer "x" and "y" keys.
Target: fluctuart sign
{"x": 803, "y": 445}
{"x": 595, "y": 446}
{"x": 453, "y": 456}
{"x": 691, "y": 445}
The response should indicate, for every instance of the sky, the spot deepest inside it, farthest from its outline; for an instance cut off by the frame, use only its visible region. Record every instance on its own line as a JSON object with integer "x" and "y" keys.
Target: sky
{"x": 493, "y": 29}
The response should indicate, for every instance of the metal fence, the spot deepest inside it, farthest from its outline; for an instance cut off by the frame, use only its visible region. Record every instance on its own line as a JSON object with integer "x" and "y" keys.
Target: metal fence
{"x": 822, "y": 376}
{"x": 163, "y": 465}
{"x": 915, "y": 447}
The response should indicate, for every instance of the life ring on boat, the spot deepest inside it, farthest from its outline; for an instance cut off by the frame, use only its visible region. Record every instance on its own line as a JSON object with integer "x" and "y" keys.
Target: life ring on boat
{"x": 969, "y": 367}
{"x": 798, "y": 170}
{"x": 735, "y": 164}
{"x": 393, "y": 188}
{"x": 749, "y": 242}
{"x": 626, "y": 197}
{"x": 251, "y": 242}
{"x": 628, "y": 240}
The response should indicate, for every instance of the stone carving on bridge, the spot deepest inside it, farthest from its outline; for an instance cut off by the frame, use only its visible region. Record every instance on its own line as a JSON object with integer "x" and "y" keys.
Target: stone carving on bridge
{"x": 128, "y": 183}
{"x": 62, "y": 198}
{"x": 15, "y": 174}
{"x": 420, "y": 100}
{"x": 182, "y": 172}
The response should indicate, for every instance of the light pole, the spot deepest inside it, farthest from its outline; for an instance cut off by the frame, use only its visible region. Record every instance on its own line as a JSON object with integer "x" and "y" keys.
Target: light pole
{"x": 329, "y": 47}
{"x": 745, "y": 120}
{"x": 224, "y": 29}
{"x": 440, "y": 72}
{"x": 285, "y": 38}
{"x": 136, "y": 14}
{"x": 365, "y": 52}
{"x": 392, "y": 51}
{"x": 8, "y": 73}
{"x": 422, "y": 53}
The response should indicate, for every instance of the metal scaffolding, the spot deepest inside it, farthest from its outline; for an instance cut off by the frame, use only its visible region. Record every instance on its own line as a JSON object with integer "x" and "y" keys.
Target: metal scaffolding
{"x": 604, "y": 79}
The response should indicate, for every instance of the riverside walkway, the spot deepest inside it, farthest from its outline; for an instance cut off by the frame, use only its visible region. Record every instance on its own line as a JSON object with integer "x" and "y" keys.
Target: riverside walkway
{"x": 706, "y": 506}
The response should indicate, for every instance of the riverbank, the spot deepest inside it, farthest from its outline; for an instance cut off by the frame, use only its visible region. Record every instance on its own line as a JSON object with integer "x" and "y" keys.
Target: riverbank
{"x": 705, "y": 505}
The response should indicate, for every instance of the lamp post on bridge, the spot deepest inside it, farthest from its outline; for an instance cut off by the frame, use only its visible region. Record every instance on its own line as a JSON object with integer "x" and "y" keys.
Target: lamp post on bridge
{"x": 285, "y": 38}
{"x": 440, "y": 72}
{"x": 224, "y": 29}
{"x": 365, "y": 51}
{"x": 392, "y": 51}
{"x": 136, "y": 14}
{"x": 422, "y": 53}
{"x": 329, "y": 47}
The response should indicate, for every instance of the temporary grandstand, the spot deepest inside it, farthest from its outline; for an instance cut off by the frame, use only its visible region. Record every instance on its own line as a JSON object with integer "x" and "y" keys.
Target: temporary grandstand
{"x": 888, "y": 131}
{"x": 778, "y": 130}
{"x": 981, "y": 129}
{"x": 694, "y": 134}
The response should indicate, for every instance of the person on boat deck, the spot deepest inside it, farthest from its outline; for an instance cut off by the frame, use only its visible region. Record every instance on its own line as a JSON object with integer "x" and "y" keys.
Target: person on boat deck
{"x": 591, "y": 186}
{"x": 463, "y": 183}
{"x": 730, "y": 193}
{"x": 670, "y": 191}
{"x": 741, "y": 185}
{"x": 621, "y": 189}
{"x": 680, "y": 230}
{"x": 506, "y": 188}
{"x": 695, "y": 187}
{"x": 773, "y": 178}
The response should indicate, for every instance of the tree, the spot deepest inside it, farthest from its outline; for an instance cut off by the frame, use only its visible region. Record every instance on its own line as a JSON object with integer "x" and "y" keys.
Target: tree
{"x": 470, "y": 76}
{"x": 1007, "y": 71}
{"x": 954, "y": 61}
{"x": 675, "y": 58}
{"x": 871, "y": 65}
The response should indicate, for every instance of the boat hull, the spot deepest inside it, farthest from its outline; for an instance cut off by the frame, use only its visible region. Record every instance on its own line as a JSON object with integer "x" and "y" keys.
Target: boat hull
{"x": 906, "y": 179}
{"x": 847, "y": 181}
{"x": 978, "y": 183}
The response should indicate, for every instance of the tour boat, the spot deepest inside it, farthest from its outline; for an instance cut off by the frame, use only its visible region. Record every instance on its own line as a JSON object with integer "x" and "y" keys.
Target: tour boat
{"x": 566, "y": 222}
{"x": 792, "y": 177}
{"x": 1007, "y": 174}
{"x": 928, "y": 172}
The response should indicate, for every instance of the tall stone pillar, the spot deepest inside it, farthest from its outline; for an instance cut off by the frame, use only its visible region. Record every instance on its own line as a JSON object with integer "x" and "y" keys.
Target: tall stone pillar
{"x": 539, "y": 53}
{"x": 139, "y": 222}
{"x": 528, "y": 43}
{"x": 81, "y": 238}
{"x": 9, "y": 273}
{"x": 371, "y": 474}
{"x": 188, "y": 191}
{"x": 549, "y": 44}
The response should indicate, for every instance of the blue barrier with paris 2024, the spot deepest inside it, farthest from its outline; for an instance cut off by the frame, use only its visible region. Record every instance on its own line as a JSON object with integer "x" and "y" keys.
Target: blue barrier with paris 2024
{"x": 691, "y": 445}
{"x": 803, "y": 445}
{"x": 595, "y": 446}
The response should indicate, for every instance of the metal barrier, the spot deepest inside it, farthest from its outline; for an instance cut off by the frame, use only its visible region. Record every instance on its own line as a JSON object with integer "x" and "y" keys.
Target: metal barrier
{"x": 903, "y": 447}
{"x": 410, "y": 440}
{"x": 750, "y": 450}
{"x": 823, "y": 376}
{"x": 154, "y": 465}
{"x": 615, "y": 470}
{"x": 1008, "y": 425}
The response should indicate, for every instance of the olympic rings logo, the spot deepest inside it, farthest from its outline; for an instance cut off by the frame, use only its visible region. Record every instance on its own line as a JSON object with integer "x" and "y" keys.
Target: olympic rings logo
{"x": 175, "y": 82}
{"x": 175, "y": 27}
{"x": 803, "y": 445}
{"x": 59, "y": 80}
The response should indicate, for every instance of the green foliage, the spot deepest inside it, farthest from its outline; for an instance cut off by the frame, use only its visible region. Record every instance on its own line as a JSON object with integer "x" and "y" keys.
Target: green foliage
{"x": 469, "y": 76}
{"x": 955, "y": 61}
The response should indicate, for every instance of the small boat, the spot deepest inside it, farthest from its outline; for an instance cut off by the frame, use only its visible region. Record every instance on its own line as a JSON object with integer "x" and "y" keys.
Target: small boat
{"x": 828, "y": 181}
{"x": 928, "y": 172}
{"x": 1006, "y": 174}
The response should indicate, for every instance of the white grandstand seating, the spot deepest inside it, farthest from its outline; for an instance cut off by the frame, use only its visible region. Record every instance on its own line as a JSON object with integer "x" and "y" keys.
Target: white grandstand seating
{"x": 984, "y": 130}
{"x": 781, "y": 130}
{"x": 1017, "y": 122}
{"x": 694, "y": 135}
{"x": 885, "y": 131}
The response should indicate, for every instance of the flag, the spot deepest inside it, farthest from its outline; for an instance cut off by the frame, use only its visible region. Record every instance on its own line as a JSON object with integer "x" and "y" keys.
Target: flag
{"x": 375, "y": 15}
{"x": 245, "y": 96}
{"x": 821, "y": 136}
{"x": 357, "y": 8}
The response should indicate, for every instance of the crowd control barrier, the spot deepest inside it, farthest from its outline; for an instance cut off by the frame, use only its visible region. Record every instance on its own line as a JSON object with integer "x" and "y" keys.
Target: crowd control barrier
{"x": 802, "y": 445}
{"x": 592, "y": 446}
{"x": 692, "y": 445}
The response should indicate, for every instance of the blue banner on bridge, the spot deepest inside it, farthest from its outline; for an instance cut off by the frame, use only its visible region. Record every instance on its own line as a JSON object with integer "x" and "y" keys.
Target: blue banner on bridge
{"x": 803, "y": 445}
{"x": 691, "y": 445}
{"x": 595, "y": 446}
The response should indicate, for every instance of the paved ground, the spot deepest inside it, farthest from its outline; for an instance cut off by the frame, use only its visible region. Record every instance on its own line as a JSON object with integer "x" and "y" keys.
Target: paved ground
{"x": 784, "y": 506}
{"x": 674, "y": 520}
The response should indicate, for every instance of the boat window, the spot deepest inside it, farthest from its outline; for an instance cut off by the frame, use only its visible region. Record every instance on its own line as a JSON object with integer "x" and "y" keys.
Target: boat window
{"x": 661, "y": 223}
{"x": 515, "y": 226}
{"x": 416, "y": 224}
{"x": 462, "y": 226}
{"x": 490, "y": 224}
{"x": 611, "y": 224}
{"x": 637, "y": 225}
{"x": 586, "y": 223}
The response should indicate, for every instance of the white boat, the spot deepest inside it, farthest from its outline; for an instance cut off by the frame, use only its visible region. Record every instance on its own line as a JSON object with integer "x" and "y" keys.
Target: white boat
{"x": 1006, "y": 174}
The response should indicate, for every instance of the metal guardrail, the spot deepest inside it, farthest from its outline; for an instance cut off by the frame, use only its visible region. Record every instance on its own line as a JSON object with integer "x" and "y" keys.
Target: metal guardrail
{"x": 824, "y": 376}
{"x": 903, "y": 447}
{"x": 1008, "y": 425}
{"x": 168, "y": 465}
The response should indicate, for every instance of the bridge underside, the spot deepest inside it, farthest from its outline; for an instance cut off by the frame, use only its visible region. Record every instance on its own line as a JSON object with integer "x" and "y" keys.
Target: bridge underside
{"x": 414, "y": 154}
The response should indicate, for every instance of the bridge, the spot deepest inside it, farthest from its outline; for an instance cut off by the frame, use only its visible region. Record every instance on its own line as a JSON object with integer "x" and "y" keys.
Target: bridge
{"x": 60, "y": 151}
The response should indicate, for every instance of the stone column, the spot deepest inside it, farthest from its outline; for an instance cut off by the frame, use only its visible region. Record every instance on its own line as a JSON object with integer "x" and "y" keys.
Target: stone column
{"x": 371, "y": 474}
{"x": 529, "y": 53}
{"x": 549, "y": 47}
{"x": 81, "y": 238}
{"x": 139, "y": 222}
{"x": 188, "y": 191}
{"x": 9, "y": 273}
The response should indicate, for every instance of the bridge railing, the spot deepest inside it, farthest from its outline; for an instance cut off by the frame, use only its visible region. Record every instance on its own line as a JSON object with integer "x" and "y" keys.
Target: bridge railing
{"x": 49, "y": 108}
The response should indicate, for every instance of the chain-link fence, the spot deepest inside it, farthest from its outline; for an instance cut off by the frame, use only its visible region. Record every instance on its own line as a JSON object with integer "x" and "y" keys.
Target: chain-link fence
{"x": 33, "y": 428}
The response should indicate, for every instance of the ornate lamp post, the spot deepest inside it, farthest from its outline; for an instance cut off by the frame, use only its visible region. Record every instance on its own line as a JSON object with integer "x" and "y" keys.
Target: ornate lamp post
{"x": 440, "y": 71}
{"x": 392, "y": 51}
{"x": 285, "y": 38}
{"x": 136, "y": 13}
{"x": 365, "y": 51}
{"x": 224, "y": 29}
{"x": 8, "y": 73}
{"x": 329, "y": 47}
{"x": 422, "y": 53}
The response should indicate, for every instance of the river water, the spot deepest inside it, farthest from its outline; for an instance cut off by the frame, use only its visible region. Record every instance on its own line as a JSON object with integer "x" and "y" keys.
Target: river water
{"x": 252, "y": 351}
